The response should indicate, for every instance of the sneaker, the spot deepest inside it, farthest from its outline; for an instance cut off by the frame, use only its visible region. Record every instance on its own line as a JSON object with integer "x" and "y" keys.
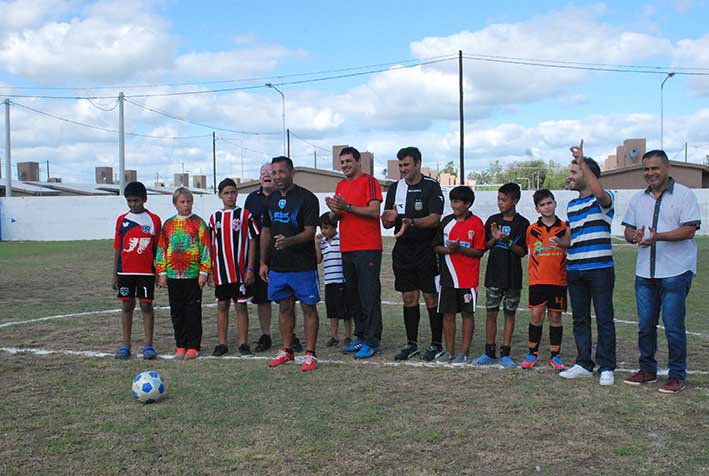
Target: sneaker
{"x": 484, "y": 360}
{"x": 576, "y": 372}
{"x": 310, "y": 363}
{"x": 123, "y": 353}
{"x": 607, "y": 377}
{"x": 641, "y": 377}
{"x": 366, "y": 352}
{"x": 297, "y": 346}
{"x": 219, "y": 350}
{"x": 444, "y": 357}
{"x": 180, "y": 353}
{"x": 245, "y": 350}
{"x": 347, "y": 341}
{"x": 191, "y": 354}
{"x": 673, "y": 385}
{"x": 529, "y": 362}
{"x": 460, "y": 360}
{"x": 557, "y": 363}
{"x": 353, "y": 347}
{"x": 264, "y": 343}
{"x": 149, "y": 353}
{"x": 431, "y": 353}
{"x": 507, "y": 362}
{"x": 407, "y": 352}
{"x": 332, "y": 342}
{"x": 283, "y": 357}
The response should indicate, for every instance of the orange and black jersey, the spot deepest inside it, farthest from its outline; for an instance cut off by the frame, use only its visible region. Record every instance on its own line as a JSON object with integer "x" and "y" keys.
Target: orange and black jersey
{"x": 547, "y": 263}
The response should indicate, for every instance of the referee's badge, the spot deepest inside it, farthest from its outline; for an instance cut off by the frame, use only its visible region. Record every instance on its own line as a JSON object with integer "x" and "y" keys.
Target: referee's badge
{"x": 418, "y": 205}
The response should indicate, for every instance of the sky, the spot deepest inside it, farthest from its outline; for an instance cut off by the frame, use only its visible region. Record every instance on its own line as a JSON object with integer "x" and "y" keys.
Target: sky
{"x": 189, "y": 69}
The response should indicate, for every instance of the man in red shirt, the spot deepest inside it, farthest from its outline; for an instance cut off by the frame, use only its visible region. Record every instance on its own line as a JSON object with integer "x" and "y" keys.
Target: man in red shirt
{"x": 356, "y": 204}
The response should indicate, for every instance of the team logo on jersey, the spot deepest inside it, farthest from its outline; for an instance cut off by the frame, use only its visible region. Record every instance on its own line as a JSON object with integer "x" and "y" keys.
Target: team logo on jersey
{"x": 467, "y": 298}
{"x": 471, "y": 234}
{"x": 282, "y": 203}
{"x": 506, "y": 229}
{"x": 219, "y": 225}
{"x": 147, "y": 229}
{"x": 123, "y": 291}
{"x": 235, "y": 224}
{"x": 138, "y": 245}
{"x": 418, "y": 205}
{"x": 125, "y": 224}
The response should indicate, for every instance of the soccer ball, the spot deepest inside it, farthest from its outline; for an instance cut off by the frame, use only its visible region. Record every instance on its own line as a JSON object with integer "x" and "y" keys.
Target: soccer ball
{"x": 148, "y": 387}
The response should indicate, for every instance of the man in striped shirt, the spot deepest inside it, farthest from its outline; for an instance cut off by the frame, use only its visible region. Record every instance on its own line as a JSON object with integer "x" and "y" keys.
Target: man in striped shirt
{"x": 590, "y": 271}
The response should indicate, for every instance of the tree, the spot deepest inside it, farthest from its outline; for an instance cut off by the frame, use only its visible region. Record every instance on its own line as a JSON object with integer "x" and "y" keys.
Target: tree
{"x": 530, "y": 174}
{"x": 450, "y": 169}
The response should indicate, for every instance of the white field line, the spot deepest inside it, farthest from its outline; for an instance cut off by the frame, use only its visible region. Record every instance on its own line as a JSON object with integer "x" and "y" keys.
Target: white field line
{"x": 158, "y": 308}
{"x": 299, "y": 360}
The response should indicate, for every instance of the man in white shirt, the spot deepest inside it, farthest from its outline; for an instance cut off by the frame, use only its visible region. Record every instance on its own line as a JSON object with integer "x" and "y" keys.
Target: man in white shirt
{"x": 662, "y": 221}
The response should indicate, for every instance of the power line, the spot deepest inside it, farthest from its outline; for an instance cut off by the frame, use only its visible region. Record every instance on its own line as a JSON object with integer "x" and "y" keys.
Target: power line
{"x": 307, "y": 142}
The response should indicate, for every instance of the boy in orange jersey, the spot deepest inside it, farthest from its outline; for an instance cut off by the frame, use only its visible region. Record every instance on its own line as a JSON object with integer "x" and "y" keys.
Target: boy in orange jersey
{"x": 183, "y": 265}
{"x": 547, "y": 278}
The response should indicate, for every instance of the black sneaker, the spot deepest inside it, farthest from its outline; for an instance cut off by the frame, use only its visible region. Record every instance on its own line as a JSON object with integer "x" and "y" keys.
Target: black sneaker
{"x": 332, "y": 342}
{"x": 432, "y": 352}
{"x": 220, "y": 350}
{"x": 245, "y": 350}
{"x": 297, "y": 346}
{"x": 407, "y": 352}
{"x": 264, "y": 343}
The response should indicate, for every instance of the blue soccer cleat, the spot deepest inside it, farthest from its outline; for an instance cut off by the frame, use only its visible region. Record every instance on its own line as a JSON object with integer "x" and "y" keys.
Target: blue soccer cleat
{"x": 507, "y": 363}
{"x": 353, "y": 347}
{"x": 366, "y": 352}
{"x": 484, "y": 360}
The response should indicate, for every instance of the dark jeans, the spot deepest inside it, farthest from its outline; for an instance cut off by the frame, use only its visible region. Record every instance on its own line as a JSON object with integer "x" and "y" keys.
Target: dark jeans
{"x": 364, "y": 293}
{"x": 186, "y": 312}
{"x": 593, "y": 285}
{"x": 668, "y": 294}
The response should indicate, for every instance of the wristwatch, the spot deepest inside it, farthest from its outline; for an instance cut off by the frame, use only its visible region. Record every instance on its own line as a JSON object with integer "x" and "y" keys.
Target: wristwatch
{"x": 348, "y": 208}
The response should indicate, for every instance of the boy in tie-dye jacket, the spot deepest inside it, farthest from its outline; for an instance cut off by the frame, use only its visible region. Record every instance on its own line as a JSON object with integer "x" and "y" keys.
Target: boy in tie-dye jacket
{"x": 183, "y": 265}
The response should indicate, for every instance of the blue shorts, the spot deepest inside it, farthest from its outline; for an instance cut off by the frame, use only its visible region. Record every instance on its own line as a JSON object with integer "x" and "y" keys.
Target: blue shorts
{"x": 303, "y": 285}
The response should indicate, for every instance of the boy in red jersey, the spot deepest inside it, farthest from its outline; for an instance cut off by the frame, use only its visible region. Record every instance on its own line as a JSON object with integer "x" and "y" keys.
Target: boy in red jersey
{"x": 183, "y": 265}
{"x": 547, "y": 277}
{"x": 134, "y": 245}
{"x": 233, "y": 257}
{"x": 460, "y": 242}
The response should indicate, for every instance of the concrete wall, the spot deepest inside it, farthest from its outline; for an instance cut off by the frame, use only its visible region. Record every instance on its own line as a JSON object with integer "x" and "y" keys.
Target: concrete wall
{"x": 94, "y": 217}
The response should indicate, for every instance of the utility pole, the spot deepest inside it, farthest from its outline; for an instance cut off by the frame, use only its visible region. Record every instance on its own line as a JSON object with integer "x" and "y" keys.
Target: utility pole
{"x": 288, "y": 136}
{"x": 315, "y": 159}
{"x": 8, "y": 154}
{"x": 214, "y": 160}
{"x": 460, "y": 107}
{"x": 47, "y": 171}
{"x": 121, "y": 145}
{"x": 685, "y": 152}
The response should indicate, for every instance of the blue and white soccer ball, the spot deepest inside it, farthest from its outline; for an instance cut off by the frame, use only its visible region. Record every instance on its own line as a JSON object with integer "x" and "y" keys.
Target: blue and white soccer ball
{"x": 148, "y": 387}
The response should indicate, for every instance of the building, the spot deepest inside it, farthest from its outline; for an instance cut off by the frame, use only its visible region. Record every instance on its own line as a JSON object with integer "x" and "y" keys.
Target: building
{"x": 315, "y": 180}
{"x": 182, "y": 180}
{"x": 393, "y": 170}
{"x": 367, "y": 159}
{"x": 28, "y": 171}
{"x": 630, "y": 153}
{"x": 689, "y": 174}
{"x": 104, "y": 175}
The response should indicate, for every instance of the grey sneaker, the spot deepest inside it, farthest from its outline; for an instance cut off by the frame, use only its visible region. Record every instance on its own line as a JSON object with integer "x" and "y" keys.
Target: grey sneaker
{"x": 461, "y": 360}
{"x": 444, "y": 357}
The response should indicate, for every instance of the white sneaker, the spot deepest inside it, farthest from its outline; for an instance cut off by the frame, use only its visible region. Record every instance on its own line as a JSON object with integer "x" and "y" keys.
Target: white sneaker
{"x": 576, "y": 372}
{"x": 607, "y": 378}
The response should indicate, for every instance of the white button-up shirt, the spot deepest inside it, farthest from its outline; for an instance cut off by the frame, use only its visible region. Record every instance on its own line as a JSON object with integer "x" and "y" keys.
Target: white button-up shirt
{"x": 677, "y": 206}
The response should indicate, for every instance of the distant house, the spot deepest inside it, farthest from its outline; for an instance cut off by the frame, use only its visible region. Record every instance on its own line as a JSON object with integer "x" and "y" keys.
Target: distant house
{"x": 691, "y": 175}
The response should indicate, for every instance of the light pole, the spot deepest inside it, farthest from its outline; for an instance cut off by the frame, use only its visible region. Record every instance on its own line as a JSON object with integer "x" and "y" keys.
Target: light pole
{"x": 272, "y": 86}
{"x": 662, "y": 111}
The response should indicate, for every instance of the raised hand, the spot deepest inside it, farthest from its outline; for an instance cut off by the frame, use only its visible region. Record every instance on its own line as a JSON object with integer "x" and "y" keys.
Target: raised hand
{"x": 577, "y": 152}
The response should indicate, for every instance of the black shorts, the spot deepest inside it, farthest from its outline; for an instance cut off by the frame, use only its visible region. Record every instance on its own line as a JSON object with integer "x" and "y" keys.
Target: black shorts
{"x": 231, "y": 291}
{"x": 457, "y": 300}
{"x": 131, "y": 286}
{"x": 416, "y": 270}
{"x": 335, "y": 302}
{"x": 553, "y": 297}
{"x": 258, "y": 291}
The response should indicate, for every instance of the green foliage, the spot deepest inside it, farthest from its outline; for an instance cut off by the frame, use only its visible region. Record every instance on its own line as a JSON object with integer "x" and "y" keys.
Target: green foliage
{"x": 530, "y": 174}
{"x": 450, "y": 169}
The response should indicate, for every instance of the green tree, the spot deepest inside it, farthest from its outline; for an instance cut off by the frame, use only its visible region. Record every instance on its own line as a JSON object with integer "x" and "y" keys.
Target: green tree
{"x": 450, "y": 169}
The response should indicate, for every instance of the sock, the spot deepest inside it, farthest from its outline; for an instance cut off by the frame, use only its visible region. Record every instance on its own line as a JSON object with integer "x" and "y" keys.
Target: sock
{"x": 412, "y": 316}
{"x": 490, "y": 351}
{"x": 505, "y": 350}
{"x": 555, "y": 334}
{"x": 535, "y": 335}
{"x": 436, "y": 320}
{"x": 290, "y": 351}
{"x": 311, "y": 352}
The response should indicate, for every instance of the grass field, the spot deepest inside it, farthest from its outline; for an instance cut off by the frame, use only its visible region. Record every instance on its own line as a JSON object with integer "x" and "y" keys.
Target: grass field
{"x": 64, "y": 413}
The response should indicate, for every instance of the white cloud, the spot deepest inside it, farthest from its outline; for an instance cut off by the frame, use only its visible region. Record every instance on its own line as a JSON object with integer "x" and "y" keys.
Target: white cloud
{"x": 20, "y": 14}
{"x": 238, "y": 63}
{"x": 694, "y": 53}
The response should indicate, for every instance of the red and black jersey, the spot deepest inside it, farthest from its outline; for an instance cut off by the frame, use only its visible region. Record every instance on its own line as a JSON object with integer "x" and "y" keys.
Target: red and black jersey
{"x": 230, "y": 234}
{"x": 458, "y": 270}
{"x": 137, "y": 239}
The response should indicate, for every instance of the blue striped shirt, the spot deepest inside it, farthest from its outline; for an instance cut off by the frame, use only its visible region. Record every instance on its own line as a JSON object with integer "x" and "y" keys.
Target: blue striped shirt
{"x": 590, "y": 225}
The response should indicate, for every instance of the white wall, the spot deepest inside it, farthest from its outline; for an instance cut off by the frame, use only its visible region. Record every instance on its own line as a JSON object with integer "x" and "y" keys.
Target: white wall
{"x": 94, "y": 217}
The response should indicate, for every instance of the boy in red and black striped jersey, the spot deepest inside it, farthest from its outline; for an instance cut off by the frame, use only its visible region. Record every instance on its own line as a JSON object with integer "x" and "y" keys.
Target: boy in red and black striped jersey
{"x": 231, "y": 231}
{"x": 460, "y": 242}
{"x": 547, "y": 277}
{"x": 134, "y": 244}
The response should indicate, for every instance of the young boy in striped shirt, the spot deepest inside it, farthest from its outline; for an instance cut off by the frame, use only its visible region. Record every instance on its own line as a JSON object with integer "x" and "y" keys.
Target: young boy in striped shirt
{"x": 327, "y": 249}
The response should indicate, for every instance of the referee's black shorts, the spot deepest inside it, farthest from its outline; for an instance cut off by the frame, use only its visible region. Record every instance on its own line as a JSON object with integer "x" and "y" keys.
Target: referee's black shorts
{"x": 415, "y": 268}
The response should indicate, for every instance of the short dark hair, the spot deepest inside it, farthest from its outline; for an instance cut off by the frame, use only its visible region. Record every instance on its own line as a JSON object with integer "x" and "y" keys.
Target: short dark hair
{"x": 282, "y": 158}
{"x": 135, "y": 189}
{"x": 463, "y": 193}
{"x": 542, "y": 194}
{"x": 351, "y": 151}
{"x": 592, "y": 164}
{"x": 412, "y": 152}
{"x": 227, "y": 182}
{"x": 326, "y": 220}
{"x": 511, "y": 189}
{"x": 657, "y": 153}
